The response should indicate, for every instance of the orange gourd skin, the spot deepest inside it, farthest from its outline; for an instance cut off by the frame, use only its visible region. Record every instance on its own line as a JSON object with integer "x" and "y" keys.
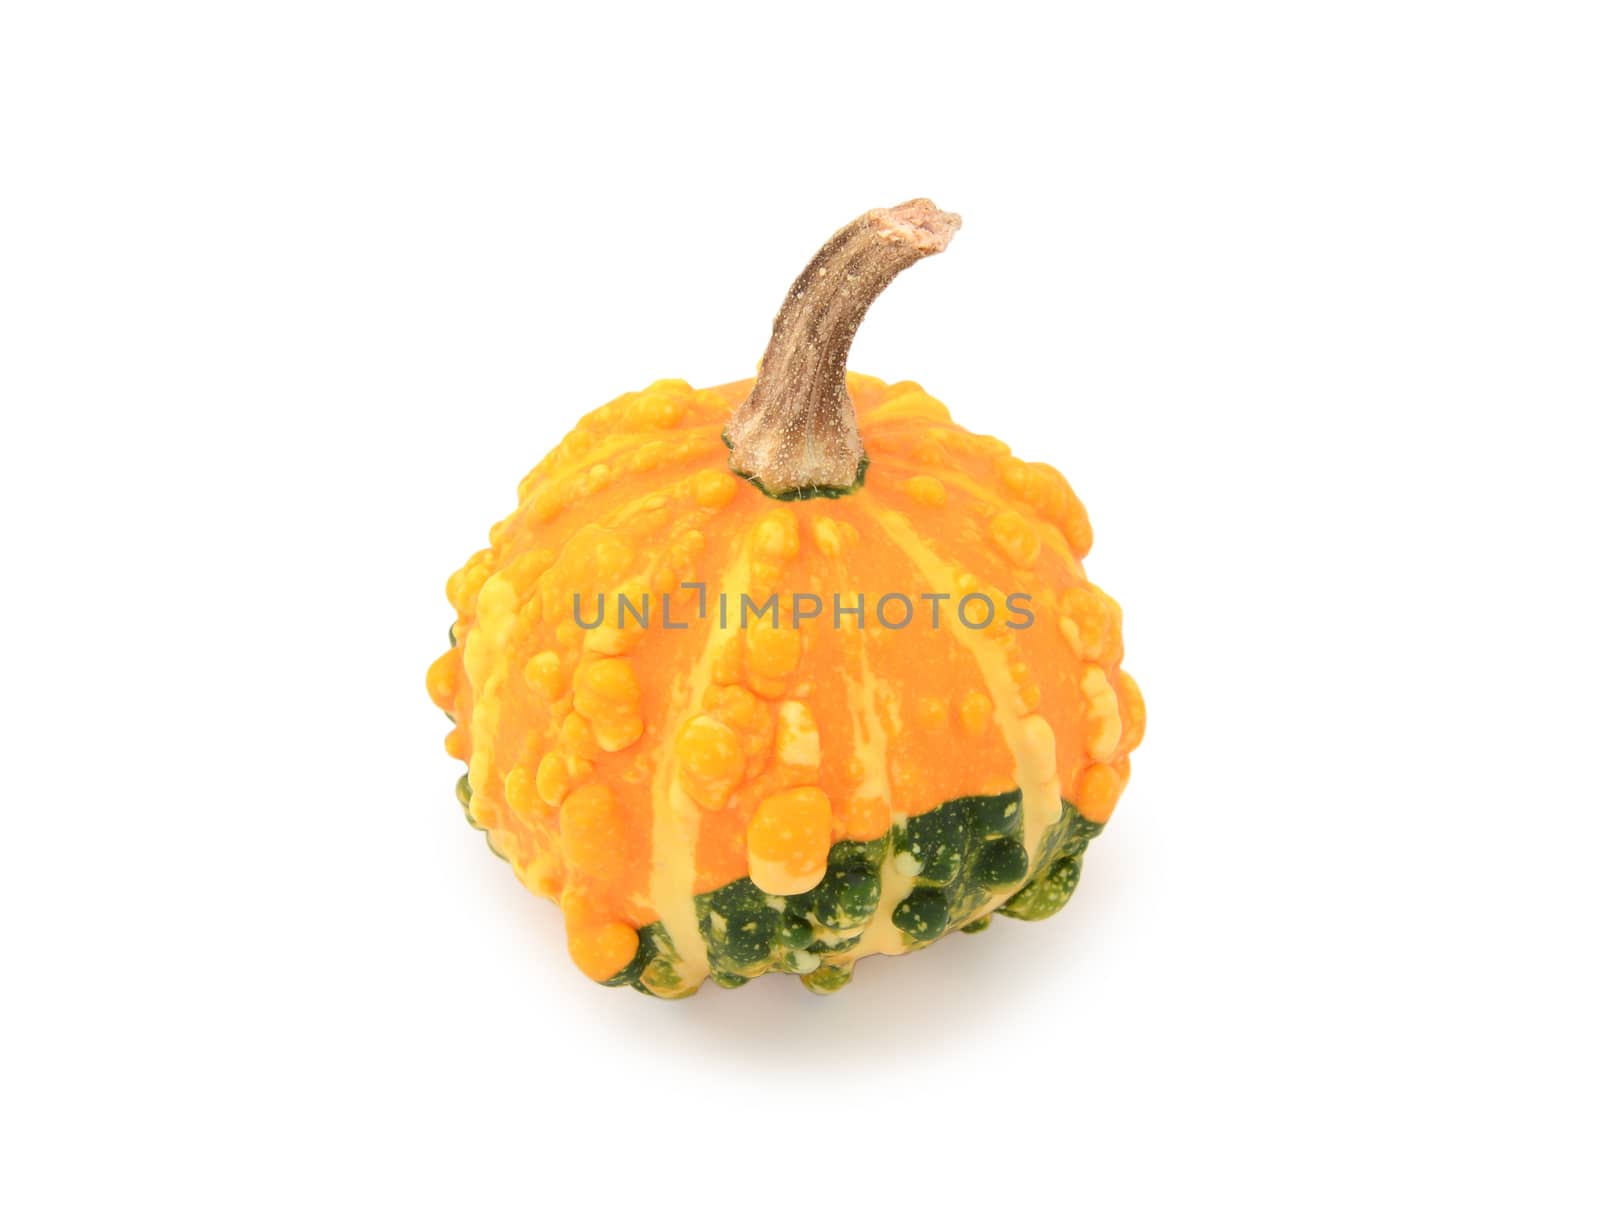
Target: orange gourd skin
{"x": 624, "y": 770}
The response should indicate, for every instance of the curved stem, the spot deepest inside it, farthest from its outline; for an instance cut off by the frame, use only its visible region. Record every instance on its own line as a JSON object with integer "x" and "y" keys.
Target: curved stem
{"x": 795, "y": 435}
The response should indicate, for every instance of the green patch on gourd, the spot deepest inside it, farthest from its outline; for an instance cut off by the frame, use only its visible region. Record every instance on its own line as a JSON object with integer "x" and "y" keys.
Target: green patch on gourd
{"x": 983, "y": 837}
{"x": 999, "y": 862}
{"x": 748, "y": 931}
{"x": 796, "y": 932}
{"x": 924, "y": 915}
{"x": 1047, "y": 892}
{"x": 656, "y": 967}
{"x": 1058, "y": 869}
{"x": 960, "y": 858}
{"x": 828, "y": 979}
{"x": 932, "y": 846}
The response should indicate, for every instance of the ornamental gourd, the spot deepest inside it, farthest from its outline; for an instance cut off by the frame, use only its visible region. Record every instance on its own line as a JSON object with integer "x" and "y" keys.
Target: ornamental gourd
{"x": 773, "y": 676}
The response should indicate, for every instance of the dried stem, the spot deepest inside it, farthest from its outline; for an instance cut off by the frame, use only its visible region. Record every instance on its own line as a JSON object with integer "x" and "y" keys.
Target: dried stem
{"x": 795, "y": 435}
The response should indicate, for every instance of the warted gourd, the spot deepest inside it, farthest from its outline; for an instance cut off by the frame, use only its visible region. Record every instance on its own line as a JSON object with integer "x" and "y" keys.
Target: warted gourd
{"x": 774, "y": 676}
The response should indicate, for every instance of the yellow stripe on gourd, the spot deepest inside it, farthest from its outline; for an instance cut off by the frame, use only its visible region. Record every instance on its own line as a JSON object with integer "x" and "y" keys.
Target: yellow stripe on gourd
{"x": 675, "y": 828}
{"x": 1028, "y": 735}
{"x": 798, "y": 743}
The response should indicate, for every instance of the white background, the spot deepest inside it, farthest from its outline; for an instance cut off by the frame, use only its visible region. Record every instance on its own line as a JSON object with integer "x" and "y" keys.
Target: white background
{"x": 1302, "y": 299}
